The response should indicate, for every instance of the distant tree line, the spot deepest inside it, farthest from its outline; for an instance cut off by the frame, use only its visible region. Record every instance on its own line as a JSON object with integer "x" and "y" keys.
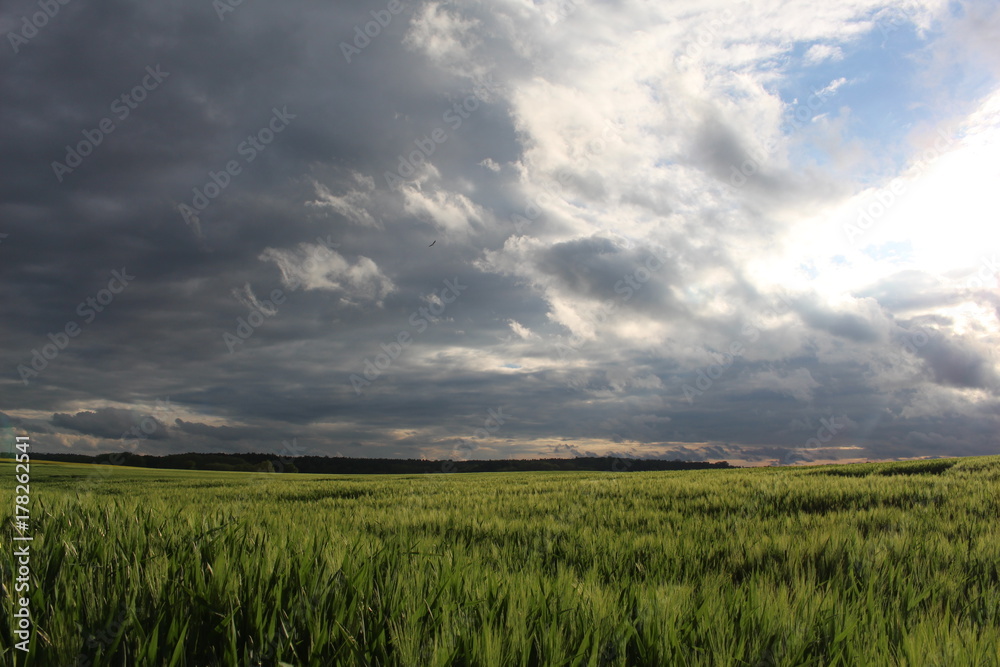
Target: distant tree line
{"x": 254, "y": 462}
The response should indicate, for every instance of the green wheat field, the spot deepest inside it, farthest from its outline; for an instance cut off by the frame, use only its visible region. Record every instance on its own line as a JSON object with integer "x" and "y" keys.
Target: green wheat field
{"x": 871, "y": 564}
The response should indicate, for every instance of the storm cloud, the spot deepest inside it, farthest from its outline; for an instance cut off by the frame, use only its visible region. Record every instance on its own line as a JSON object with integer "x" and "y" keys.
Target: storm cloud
{"x": 695, "y": 233}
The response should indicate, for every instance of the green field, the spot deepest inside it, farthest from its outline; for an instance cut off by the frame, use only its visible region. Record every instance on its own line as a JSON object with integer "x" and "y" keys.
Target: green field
{"x": 875, "y": 564}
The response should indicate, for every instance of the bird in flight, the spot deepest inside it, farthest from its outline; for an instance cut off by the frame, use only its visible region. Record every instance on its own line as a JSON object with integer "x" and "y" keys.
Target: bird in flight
{"x": 432, "y": 243}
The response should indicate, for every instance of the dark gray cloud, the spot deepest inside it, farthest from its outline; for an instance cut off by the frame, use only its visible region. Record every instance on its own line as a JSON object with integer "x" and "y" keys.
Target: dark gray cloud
{"x": 112, "y": 423}
{"x": 958, "y": 363}
{"x": 854, "y": 327}
{"x": 224, "y": 433}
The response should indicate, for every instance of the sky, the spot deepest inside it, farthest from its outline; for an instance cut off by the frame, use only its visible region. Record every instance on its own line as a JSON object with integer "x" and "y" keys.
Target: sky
{"x": 761, "y": 232}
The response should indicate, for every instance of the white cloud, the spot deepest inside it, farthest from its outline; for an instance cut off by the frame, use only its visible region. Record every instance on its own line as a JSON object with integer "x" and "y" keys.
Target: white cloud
{"x": 316, "y": 267}
{"x": 246, "y": 296}
{"x": 833, "y": 87}
{"x": 353, "y": 205}
{"x": 819, "y": 53}
{"x": 446, "y": 38}
{"x": 490, "y": 164}
{"x": 451, "y": 212}
{"x": 522, "y": 331}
